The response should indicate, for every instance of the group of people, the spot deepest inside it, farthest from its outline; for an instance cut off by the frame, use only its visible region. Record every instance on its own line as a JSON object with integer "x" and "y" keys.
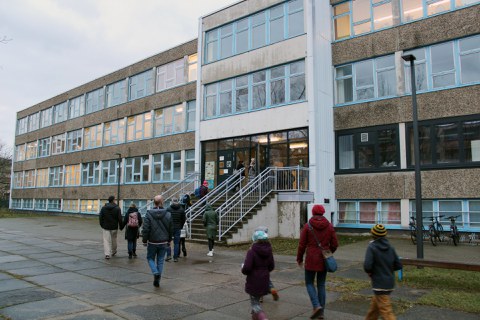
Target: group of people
{"x": 161, "y": 225}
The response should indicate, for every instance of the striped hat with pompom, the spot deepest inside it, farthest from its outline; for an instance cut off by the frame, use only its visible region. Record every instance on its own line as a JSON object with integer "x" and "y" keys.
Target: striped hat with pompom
{"x": 378, "y": 231}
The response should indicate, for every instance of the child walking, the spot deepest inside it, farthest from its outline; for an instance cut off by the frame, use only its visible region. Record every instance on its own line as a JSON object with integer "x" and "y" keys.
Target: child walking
{"x": 381, "y": 261}
{"x": 257, "y": 267}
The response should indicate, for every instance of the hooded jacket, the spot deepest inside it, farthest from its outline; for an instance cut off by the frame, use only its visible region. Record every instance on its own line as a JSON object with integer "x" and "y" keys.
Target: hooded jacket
{"x": 110, "y": 217}
{"x": 258, "y": 264}
{"x": 381, "y": 261}
{"x": 157, "y": 226}
{"x": 325, "y": 233}
{"x": 210, "y": 221}
{"x": 178, "y": 216}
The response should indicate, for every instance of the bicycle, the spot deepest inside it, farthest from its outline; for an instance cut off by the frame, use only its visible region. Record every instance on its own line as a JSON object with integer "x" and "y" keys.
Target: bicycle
{"x": 454, "y": 234}
{"x": 413, "y": 230}
{"x": 435, "y": 230}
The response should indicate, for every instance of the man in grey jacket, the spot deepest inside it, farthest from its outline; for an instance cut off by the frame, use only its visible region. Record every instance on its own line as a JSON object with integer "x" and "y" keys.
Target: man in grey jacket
{"x": 157, "y": 233}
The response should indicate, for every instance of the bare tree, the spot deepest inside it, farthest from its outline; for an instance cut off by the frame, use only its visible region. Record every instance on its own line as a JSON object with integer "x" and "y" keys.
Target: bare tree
{"x": 5, "y": 40}
{"x": 5, "y": 169}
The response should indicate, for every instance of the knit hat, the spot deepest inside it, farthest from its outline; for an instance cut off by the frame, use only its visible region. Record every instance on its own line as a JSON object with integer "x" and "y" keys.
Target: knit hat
{"x": 259, "y": 235}
{"x": 318, "y": 209}
{"x": 378, "y": 231}
{"x": 205, "y": 183}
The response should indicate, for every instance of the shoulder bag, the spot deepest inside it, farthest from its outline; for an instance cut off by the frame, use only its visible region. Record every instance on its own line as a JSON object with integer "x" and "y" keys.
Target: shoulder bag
{"x": 328, "y": 258}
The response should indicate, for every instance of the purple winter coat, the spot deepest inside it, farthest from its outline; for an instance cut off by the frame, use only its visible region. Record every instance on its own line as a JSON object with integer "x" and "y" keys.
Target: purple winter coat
{"x": 257, "y": 266}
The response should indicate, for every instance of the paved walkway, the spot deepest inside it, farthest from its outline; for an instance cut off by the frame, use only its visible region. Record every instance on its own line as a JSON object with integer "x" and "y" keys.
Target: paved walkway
{"x": 54, "y": 268}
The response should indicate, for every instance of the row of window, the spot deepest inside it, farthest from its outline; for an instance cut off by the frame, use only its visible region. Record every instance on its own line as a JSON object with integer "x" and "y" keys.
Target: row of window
{"x": 157, "y": 123}
{"x": 388, "y": 212}
{"x": 135, "y": 87}
{"x": 357, "y": 17}
{"x": 259, "y": 90}
{"x": 266, "y": 27}
{"x": 165, "y": 167}
{"x": 443, "y": 142}
{"x": 448, "y": 64}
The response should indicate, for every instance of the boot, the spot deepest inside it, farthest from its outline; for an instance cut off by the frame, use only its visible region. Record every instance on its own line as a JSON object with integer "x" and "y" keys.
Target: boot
{"x": 134, "y": 253}
{"x": 184, "y": 252}
{"x": 156, "y": 280}
{"x": 129, "y": 254}
{"x": 262, "y": 316}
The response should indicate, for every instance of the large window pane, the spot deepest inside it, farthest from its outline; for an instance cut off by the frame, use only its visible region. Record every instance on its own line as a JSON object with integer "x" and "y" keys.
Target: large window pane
{"x": 390, "y": 213}
{"x": 346, "y": 154}
{"x": 241, "y": 95}
{"x": 258, "y": 30}
{"x": 471, "y": 140}
{"x": 474, "y": 213}
{"x": 347, "y": 212}
{"x": 470, "y": 59}
{"x": 226, "y": 97}
{"x": 443, "y": 66}
{"x": 386, "y": 77}
{"x": 382, "y": 16}
{"x": 447, "y": 143}
{"x": 344, "y": 84}
{"x": 241, "y": 37}
{"x": 437, "y": 6}
{"x": 387, "y": 143}
{"x": 364, "y": 80}
{"x": 420, "y": 71}
{"x": 425, "y": 145}
{"x": 412, "y": 10}
{"x": 226, "y": 42}
{"x": 368, "y": 212}
{"x": 259, "y": 90}
{"x": 276, "y": 24}
{"x": 295, "y": 18}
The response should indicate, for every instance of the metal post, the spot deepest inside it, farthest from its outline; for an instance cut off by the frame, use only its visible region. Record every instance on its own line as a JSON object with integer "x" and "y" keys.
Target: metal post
{"x": 418, "y": 178}
{"x": 118, "y": 176}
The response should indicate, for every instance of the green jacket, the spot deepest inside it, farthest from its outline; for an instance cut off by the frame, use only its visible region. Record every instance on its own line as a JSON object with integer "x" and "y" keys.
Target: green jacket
{"x": 210, "y": 221}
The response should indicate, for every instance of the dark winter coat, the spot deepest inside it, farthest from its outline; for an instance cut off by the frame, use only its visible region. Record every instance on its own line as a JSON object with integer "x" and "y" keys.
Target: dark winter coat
{"x": 381, "y": 261}
{"x": 325, "y": 233}
{"x": 157, "y": 226}
{"x": 203, "y": 191}
{"x": 110, "y": 217}
{"x": 210, "y": 221}
{"x": 132, "y": 233}
{"x": 257, "y": 266}
{"x": 178, "y": 216}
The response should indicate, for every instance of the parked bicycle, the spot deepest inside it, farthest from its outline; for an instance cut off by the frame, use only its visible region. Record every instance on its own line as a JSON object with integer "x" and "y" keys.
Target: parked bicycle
{"x": 435, "y": 230}
{"x": 413, "y": 230}
{"x": 454, "y": 234}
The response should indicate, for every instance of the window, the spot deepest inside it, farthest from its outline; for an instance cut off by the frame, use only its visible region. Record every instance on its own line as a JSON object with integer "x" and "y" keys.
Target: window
{"x": 211, "y": 46}
{"x": 364, "y": 88}
{"x": 474, "y": 213}
{"x": 341, "y": 20}
{"x": 443, "y": 65}
{"x": 297, "y": 81}
{"x": 42, "y": 178}
{"x": 109, "y": 171}
{"x": 76, "y": 107}
{"x": 70, "y": 205}
{"x": 277, "y": 85}
{"x": 89, "y": 206}
{"x": 114, "y": 132}
{"x": 412, "y": 10}
{"x": 44, "y": 147}
{"x": 29, "y": 179}
{"x": 344, "y": 83}
{"x": 241, "y": 93}
{"x": 74, "y": 140}
{"x": 446, "y": 142}
{"x": 60, "y": 112}
{"x": 420, "y": 64}
{"x": 241, "y": 35}
{"x": 139, "y": 127}
{"x": 55, "y": 177}
{"x": 189, "y": 162}
{"x": 40, "y": 204}
{"x": 72, "y": 175}
{"x": 16, "y": 203}
{"x": 383, "y": 14}
{"x": 171, "y": 74}
{"x": 470, "y": 60}
{"x": 390, "y": 212}
{"x": 91, "y": 173}
{"x": 369, "y": 212}
{"x": 259, "y": 90}
{"x": 277, "y": 23}
{"x": 33, "y": 122}
{"x": 95, "y": 101}
{"x": 210, "y": 100}
{"x": 259, "y": 30}
{"x": 368, "y": 149}
{"x": 27, "y": 204}
{"x": 31, "y": 150}
{"x": 136, "y": 169}
{"x": 18, "y": 180}
{"x": 22, "y": 125}
{"x": 386, "y": 78}
{"x": 141, "y": 85}
{"x": 226, "y": 41}
{"x": 20, "y": 152}
{"x": 92, "y": 137}
{"x": 46, "y": 117}
{"x": 192, "y": 67}
{"x": 54, "y": 204}
{"x": 295, "y": 18}
{"x": 58, "y": 144}
{"x": 165, "y": 120}
{"x": 166, "y": 167}
{"x": 116, "y": 93}
{"x": 225, "y": 97}
{"x": 191, "y": 114}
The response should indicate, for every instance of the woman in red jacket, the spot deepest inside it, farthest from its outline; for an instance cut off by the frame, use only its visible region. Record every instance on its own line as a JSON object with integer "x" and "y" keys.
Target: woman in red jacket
{"x": 314, "y": 264}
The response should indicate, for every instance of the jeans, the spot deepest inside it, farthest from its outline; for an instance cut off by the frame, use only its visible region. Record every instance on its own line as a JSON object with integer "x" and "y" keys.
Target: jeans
{"x": 176, "y": 243}
{"x": 132, "y": 246}
{"x": 317, "y": 295}
{"x": 155, "y": 257}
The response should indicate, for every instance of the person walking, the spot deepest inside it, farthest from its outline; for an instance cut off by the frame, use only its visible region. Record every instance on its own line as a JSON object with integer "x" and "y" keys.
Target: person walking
{"x": 132, "y": 222}
{"x": 258, "y": 264}
{"x": 381, "y": 262}
{"x": 186, "y": 202}
{"x": 157, "y": 233}
{"x": 210, "y": 222}
{"x": 204, "y": 189}
{"x": 252, "y": 170}
{"x": 110, "y": 219}
{"x": 240, "y": 166}
{"x": 318, "y": 226}
{"x": 178, "y": 218}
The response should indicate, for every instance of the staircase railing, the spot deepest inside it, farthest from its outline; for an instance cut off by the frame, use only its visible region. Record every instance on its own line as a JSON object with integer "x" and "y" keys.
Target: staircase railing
{"x": 185, "y": 186}
{"x": 220, "y": 193}
{"x": 232, "y": 211}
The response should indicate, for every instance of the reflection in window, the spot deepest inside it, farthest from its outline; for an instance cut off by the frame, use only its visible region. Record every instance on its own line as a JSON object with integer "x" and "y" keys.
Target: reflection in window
{"x": 44, "y": 147}
{"x": 172, "y": 74}
{"x": 420, "y": 64}
{"x": 74, "y": 140}
{"x": 136, "y": 169}
{"x": 471, "y": 140}
{"x": 58, "y": 144}
{"x": 95, "y": 101}
{"x": 116, "y": 93}
{"x": 114, "y": 132}
{"x": 76, "y": 107}
{"x": 72, "y": 175}
{"x": 470, "y": 59}
{"x": 55, "y": 177}
{"x": 109, "y": 171}
{"x": 46, "y": 117}
{"x": 42, "y": 178}
{"x": 140, "y": 85}
{"x": 192, "y": 67}
{"x": 139, "y": 127}
{"x": 92, "y": 137}
{"x": 91, "y": 173}
{"x": 443, "y": 65}
{"x": 166, "y": 167}
{"x": 447, "y": 143}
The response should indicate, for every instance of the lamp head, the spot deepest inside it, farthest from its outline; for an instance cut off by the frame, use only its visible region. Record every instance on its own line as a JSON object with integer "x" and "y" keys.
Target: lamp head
{"x": 409, "y": 57}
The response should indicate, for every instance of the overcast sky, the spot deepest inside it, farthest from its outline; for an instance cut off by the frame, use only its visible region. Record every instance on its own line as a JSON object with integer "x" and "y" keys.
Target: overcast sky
{"x": 53, "y": 46}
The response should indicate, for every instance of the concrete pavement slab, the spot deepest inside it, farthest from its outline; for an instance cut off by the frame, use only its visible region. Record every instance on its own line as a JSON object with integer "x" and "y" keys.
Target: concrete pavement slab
{"x": 96, "y": 314}
{"x": 427, "y": 312}
{"x": 27, "y": 263}
{"x": 34, "y": 271}
{"x": 11, "y": 258}
{"x": 74, "y": 287}
{"x": 20, "y": 296}
{"x": 13, "y": 284}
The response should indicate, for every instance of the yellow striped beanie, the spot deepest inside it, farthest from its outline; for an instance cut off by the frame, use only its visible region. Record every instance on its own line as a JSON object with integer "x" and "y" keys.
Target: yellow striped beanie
{"x": 378, "y": 231}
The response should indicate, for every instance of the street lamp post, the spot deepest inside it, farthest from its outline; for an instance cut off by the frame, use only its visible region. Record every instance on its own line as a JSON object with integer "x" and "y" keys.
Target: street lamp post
{"x": 119, "y": 155}
{"x": 418, "y": 178}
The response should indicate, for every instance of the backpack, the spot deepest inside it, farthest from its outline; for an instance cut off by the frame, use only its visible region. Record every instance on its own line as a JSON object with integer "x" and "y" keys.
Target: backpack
{"x": 133, "y": 220}
{"x": 185, "y": 201}
{"x": 197, "y": 192}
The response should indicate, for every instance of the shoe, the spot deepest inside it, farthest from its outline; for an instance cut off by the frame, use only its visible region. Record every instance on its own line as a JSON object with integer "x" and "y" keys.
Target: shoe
{"x": 134, "y": 254}
{"x": 168, "y": 259}
{"x": 274, "y": 293}
{"x": 184, "y": 253}
{"x": 114, "y": 253}
{"x": 210, "y": 253}
{"x": 175, "y": 259}
{"x": 262, "y": 316}
{"x": 156, "y": 280}
{"x": 107, "y": 257}
{"x": 316, "y": 313}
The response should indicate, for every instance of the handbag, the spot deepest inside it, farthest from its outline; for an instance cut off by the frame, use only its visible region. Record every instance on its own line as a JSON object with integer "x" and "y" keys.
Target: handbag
{"x": 328, "y": 258}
